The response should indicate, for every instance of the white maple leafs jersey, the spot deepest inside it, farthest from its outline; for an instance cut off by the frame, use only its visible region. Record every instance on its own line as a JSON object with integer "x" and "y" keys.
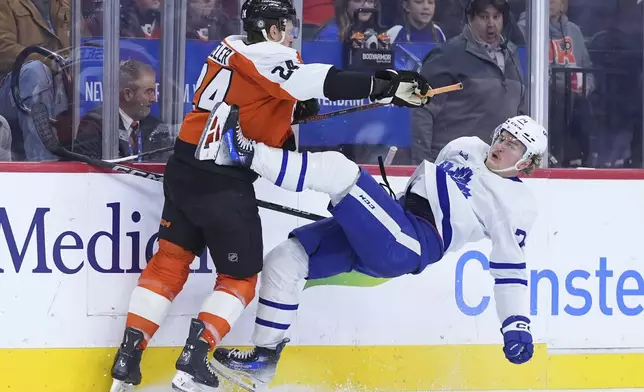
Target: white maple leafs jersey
{"x": 470, "y": 203}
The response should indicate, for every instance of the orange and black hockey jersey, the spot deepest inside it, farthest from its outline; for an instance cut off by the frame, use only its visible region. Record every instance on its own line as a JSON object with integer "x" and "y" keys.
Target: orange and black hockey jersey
{"x": 264, "y": 79}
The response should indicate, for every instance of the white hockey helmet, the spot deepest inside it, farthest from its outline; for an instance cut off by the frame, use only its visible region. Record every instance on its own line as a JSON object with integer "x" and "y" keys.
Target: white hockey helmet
{"x": 526, "y": 130}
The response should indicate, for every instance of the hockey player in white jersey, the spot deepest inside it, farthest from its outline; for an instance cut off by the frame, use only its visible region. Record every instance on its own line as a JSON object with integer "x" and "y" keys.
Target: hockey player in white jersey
{"x": 471, "y": 192}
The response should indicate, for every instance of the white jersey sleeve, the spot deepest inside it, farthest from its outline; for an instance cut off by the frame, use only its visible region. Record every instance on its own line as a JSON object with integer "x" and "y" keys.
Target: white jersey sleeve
{"x": 279, "y": 69}
{"x": 508, "y": 262}
{"x": 477, "y": 203}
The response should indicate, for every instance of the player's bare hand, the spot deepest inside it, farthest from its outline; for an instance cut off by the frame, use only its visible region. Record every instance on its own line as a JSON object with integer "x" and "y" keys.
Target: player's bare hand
{"x": 401, "y": 88}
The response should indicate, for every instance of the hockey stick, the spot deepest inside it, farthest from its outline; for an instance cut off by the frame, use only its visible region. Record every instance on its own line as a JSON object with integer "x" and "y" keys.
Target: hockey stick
{"x": 340, "y": 112}
{"x": 141, "y": 155}
{"x": 17, "y": 66}
{"x": 432, "y": 92}
{"x": 45, "y": 131}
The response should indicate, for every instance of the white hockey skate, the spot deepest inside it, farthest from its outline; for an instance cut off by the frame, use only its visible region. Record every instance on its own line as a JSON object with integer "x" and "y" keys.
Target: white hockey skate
{"x": 251, "y": 369}
{"x": 222, "y": 117}
{"x": 222, "y": 141}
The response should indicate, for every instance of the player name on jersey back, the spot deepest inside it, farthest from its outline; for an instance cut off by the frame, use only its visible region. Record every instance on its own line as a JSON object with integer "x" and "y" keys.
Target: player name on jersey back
{"x": 221, "y": 55}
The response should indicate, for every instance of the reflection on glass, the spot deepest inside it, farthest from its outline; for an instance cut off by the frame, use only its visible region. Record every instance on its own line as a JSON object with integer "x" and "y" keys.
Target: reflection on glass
{"x": 595, "y": 54}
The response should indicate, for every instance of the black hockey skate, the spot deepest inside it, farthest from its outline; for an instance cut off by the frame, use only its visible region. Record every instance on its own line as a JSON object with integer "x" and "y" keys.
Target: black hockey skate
{"x": 126, "y": 370}
{"x": 194, "y": 372}
{"x": 251, "y": 369}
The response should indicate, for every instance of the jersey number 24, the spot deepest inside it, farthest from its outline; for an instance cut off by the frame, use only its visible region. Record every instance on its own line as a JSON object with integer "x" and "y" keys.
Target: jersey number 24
{"x": 216, "y": 89}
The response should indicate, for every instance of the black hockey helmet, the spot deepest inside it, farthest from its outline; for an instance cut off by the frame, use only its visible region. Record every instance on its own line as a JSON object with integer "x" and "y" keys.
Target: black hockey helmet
{"x": 258, "y": 15}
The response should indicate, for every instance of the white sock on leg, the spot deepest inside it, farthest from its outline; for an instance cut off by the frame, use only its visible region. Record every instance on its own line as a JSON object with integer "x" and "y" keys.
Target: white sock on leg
{"x": 328, "y": 172}
{"x": 279, "y": 292}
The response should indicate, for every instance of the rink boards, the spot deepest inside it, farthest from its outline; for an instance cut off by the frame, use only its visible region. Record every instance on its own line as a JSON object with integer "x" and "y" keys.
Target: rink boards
{"x": 72, "y": 242}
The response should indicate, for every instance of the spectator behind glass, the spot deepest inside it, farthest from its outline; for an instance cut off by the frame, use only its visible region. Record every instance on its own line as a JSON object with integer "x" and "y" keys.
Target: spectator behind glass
{"x": 316, "y": 12}
{"x": 139, "y": 19}
{"x": 366, "y": 31}
{"x": 567, "y": 47}
{"x": 341, "y": 27}
{"x": 417, "y": 23}
{"x": 90, "y": 6}
{"x": 207, "y": 21}
{"x": 138, "y": 130}
{"x": 569, "y": 136}
{"x": 5, "y": 140}
{"x": 25, "y": 23}
{"x": 616, "y": 50}
{"x": 491, "y": 76}
{"x": 450, "y": 16}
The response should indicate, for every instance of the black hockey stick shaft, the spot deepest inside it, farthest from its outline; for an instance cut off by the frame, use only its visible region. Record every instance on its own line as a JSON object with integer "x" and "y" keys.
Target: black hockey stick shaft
{"x": 335, "y": 113}
{"x": 141, "y": 155}
{"x": 323, "y": 116}
{"x": 45, "y": 130}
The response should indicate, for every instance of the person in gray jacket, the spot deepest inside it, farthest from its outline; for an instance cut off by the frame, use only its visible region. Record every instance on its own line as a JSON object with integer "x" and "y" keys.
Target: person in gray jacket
{"x": 487, "y": 65}
{"x": 571, "y": 128}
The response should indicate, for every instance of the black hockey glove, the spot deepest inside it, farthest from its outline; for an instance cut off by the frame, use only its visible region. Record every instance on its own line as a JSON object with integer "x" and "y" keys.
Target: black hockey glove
{"x": 304, "y": 109}
{"x": 401, "y": 88}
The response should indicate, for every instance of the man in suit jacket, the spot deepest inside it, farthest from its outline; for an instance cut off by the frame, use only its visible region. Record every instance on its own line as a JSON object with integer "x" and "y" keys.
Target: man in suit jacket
{"x": 138, "y": 130}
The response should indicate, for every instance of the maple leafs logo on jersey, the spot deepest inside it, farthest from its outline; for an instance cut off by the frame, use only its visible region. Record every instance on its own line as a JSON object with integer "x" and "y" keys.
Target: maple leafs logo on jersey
{"x": 461, "y": 176}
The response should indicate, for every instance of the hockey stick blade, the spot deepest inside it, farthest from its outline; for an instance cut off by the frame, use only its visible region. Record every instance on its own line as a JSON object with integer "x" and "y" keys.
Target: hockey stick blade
{"x": 45, "y": 130}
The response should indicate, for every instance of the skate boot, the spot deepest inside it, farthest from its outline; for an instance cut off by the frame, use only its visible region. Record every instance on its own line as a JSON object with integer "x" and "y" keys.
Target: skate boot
{"x": 194, "y": 372}
{"x": 236, "y": 149}
{"x": 251, "y": 369}
{"x": 126, "y": 370}
{"x": 222, "y": 140}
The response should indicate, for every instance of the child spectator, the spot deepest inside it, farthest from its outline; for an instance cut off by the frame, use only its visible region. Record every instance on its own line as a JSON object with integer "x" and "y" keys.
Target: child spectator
{"x": 417, "y": 23}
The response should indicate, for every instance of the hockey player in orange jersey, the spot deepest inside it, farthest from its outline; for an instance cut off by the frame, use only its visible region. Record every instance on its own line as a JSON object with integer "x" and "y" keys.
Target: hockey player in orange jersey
{"x": 207, "y": 205}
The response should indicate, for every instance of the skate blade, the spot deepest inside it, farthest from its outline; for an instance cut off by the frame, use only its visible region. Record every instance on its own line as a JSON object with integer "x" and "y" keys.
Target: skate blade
{"x": 183, "y": 382}
{"x": 248, "y": 383}
{"x": 121, "y": 386}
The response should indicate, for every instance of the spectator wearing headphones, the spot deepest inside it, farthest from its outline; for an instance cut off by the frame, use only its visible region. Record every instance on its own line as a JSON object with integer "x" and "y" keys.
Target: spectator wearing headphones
{"x": 488, "y": 66}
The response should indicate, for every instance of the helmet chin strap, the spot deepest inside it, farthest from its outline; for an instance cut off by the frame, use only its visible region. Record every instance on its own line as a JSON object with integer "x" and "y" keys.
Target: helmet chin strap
{"x": 267, "y": 39}
{"x": 508, "y": 169}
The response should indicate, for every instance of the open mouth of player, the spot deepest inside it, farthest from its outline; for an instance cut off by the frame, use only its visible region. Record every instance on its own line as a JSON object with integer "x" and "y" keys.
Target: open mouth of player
{"x": 495, "y": 156}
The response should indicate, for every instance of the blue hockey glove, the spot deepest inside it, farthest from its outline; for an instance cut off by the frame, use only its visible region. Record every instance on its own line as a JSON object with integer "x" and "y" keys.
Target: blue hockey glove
{"x": 517, "y": 339}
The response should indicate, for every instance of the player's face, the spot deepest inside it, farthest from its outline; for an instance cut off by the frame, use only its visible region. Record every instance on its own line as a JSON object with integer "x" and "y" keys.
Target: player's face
{"x": 488, "y": 25}
{"x": 289, "y": 34}
{"x": 505, "y": 152}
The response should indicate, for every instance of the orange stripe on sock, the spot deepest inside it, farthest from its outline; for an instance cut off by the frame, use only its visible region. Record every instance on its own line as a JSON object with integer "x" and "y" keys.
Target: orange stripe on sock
{"x": 144, "y": 325}
{"x": 216, "y": 328}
